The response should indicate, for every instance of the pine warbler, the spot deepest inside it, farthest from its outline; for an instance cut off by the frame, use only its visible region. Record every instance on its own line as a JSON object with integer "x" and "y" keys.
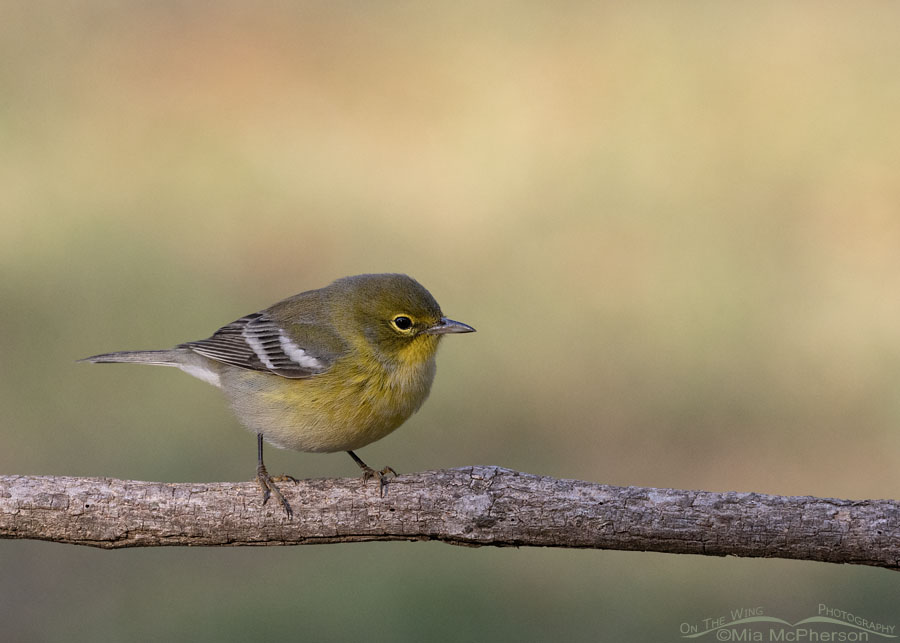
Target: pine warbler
{"x": 327, "y": 370}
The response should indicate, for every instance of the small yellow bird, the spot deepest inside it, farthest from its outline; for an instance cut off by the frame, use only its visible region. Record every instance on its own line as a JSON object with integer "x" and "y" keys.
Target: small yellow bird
{"x": 327, "y": 370}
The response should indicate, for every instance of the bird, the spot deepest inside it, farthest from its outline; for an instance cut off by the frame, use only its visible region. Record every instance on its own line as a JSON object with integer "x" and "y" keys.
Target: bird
{"x": 327, "y": 370}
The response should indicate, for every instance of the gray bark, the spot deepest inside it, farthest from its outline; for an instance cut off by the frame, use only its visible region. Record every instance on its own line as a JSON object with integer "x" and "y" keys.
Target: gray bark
{"x": 472, "y": 506}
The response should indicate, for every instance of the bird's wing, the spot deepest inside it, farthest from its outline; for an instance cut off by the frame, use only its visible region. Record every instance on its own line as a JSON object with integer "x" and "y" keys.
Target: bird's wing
{"x": 257, "y": 342}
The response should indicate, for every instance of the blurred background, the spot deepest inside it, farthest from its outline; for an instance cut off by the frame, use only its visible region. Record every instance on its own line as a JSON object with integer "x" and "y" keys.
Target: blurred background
{"x": 675, "y": 226}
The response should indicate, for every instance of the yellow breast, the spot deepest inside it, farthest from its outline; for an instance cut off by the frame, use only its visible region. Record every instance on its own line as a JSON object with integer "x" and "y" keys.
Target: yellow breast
{"x": 354, "y": 403}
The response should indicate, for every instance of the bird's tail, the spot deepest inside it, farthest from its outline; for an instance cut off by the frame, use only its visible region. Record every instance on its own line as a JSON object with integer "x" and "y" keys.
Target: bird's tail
{"x": 179, "y": 357}
{"x": 168, "y": 357}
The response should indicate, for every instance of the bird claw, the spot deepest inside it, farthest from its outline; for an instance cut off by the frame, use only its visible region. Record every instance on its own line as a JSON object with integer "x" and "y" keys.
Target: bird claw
{"x": 382, "y": 476}
{"x": 269, "y": 488}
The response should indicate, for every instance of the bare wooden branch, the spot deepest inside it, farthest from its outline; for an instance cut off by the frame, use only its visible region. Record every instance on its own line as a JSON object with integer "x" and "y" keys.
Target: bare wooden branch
{"x": 470, "y": 506}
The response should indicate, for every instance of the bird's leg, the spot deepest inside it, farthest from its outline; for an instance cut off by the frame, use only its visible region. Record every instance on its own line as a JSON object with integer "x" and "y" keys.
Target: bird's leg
{"x": 267, "y": 482}
{"x": 369, "y": 472}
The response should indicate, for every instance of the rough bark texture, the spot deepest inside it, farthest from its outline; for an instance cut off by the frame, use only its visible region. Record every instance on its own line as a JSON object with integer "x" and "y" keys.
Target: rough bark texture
{"x": 470, "y": 506}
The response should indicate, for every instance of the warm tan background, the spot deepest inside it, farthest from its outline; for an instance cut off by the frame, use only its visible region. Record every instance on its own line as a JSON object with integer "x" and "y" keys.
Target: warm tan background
{"x": 675, "y": 226}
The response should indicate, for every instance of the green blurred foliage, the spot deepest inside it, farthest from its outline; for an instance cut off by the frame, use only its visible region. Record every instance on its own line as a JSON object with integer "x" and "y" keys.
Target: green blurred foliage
{"x": 675, "y": 226}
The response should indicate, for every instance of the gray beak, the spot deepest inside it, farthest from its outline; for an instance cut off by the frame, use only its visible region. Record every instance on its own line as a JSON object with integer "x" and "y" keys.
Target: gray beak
{"x": 445, "y": 326}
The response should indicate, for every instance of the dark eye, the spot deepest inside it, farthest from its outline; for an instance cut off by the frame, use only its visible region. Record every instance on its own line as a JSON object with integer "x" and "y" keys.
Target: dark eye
{"x": 402, "y": 322}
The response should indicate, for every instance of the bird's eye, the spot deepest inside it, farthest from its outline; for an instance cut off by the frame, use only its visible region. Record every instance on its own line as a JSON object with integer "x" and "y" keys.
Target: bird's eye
{"x": 402, "y": 322}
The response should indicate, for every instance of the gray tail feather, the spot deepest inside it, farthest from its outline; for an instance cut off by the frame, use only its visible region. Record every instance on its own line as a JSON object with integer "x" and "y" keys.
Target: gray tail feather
{"x": 168, "y": 357}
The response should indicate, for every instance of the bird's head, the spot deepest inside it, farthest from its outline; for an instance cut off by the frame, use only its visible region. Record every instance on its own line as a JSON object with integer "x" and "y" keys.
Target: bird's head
{"x": 397, "y": 317}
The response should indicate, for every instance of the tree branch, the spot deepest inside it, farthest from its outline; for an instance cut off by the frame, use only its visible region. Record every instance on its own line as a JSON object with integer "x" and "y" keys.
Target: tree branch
{"x": 470, "y": 506}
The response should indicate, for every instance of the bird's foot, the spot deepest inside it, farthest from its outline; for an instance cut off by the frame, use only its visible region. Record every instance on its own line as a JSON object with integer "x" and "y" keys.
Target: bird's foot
{"x": 269, "y": 488}
{"x": 382, "y": 476}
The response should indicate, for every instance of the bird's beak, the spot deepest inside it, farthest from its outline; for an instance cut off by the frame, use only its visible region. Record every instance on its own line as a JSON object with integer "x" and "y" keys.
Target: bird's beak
{"x": 445, "y": 326}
